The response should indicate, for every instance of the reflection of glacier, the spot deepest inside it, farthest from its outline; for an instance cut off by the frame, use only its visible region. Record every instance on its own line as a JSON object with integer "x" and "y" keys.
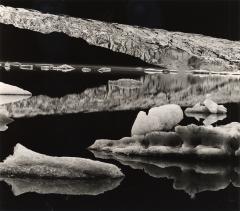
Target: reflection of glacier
{"x": 192, "y": 177}
{"x": 149, "y": 91}
{"x": 59, "y": 186}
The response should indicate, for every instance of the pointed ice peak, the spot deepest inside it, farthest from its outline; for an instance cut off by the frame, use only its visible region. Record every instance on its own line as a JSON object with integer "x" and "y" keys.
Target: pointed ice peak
{"x": 7, "y": 89}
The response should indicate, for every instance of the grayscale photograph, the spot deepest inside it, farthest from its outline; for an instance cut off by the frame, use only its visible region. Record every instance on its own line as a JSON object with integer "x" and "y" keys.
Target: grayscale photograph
{"x": 119, "y": 105}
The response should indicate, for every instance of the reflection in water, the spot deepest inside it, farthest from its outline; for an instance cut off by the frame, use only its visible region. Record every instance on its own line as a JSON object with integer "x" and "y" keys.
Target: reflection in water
{"x": 192, "y": 177}
{"x": 149, "y": 91}
{"x": 4, "y": 121}
{"x": 5, "y": 99}
{"x": 60, "y": 186}
{"x": 208, "y": 119}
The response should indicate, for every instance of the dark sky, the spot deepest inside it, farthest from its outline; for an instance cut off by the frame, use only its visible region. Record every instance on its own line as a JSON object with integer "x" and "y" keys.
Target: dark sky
{"x": 217, "y": 18}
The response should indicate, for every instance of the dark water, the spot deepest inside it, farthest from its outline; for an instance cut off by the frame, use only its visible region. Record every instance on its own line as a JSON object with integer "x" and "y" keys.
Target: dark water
{"x": 70, "y": 134}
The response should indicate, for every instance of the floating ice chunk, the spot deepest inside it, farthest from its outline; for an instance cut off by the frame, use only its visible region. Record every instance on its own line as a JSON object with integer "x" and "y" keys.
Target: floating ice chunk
{"x": 104, "y": 70}
{"x": 27, "y": 163}
{"x": 162, "y": 118}
{"x": 26, "y": 67}
{"x": 209, "y": 119}
{"x": 6, "y": 89}
{"x": 197, "y": 141}
{"x": 211, "y": 106}
{"x": 63, "y": 68}
{"x": 211, "y": 141}
{"x": 208, "y": 107}
{"x": 86, "y": 69}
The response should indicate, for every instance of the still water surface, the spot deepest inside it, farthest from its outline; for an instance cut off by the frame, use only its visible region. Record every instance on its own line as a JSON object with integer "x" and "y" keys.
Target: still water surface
{"x": 65, "y": 132}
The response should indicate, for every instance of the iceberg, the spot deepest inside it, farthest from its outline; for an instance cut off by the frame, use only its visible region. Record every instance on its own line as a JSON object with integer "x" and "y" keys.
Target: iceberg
{"x": 6, "y": 89}
{"x": 27, "y": 163}
{"x": 204, "y": 142}
{"x": 162, "y": 118}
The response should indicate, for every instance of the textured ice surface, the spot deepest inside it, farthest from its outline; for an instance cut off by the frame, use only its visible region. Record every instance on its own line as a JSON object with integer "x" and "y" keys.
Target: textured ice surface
{"x": 191, "y": 140}
{"x": 172, "y": 50}
{"x": 6, "y": 89}
{"x": 26, "y": 163}
{"x": 208, "y": 119}
{"x": 209, "y": 106}
{"x": 162, "y": 118}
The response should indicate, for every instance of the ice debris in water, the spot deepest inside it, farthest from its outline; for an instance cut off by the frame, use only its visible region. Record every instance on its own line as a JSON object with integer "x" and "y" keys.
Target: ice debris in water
{"x": 162, "y": 118}
{"x": 192, "y": 140}
{"x": 208, "y": 106}
{"x": 27, "y": 163}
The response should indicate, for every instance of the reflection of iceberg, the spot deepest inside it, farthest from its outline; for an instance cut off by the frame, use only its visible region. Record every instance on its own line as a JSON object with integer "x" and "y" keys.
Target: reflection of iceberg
{"x": 4, "y": 121}
{"x": 5, "y": 99}
{"x": 192, "y": 177}
{"x": 195, "y": 141}
{"x": 27, "y": 163}
{"x": 60, "y": 186}
{"x": 156, "y": 90}
{"x": 209, "y": 119}
{"x": 125, "y": 83}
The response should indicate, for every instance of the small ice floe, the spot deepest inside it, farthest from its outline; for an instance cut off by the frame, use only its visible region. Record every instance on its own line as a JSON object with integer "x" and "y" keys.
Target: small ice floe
{"x": 15, "y": 64}
{"x": 26, "y": 67}
{"x": 188, "y": 176}
{"x": 46, "y": 67}
{"x": 7, "y": 66}
{"x": 61, "y": 186}
{"x": 7, "y": 89}
{"x": 208, "y": 106}
{"x": 63, "y": 68}
{"x": 104, "y": 70}
{"x": 205, "y": 72}
{"x": 27, "y": 163}
{"x": 126, "y": 83}
{"x": 208, "y": 119}
{"x": 4, "y": 121}
{"x": 162, "y": 118}
{"x": 198, "y": 141}
{"x": 86, "y": 69}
